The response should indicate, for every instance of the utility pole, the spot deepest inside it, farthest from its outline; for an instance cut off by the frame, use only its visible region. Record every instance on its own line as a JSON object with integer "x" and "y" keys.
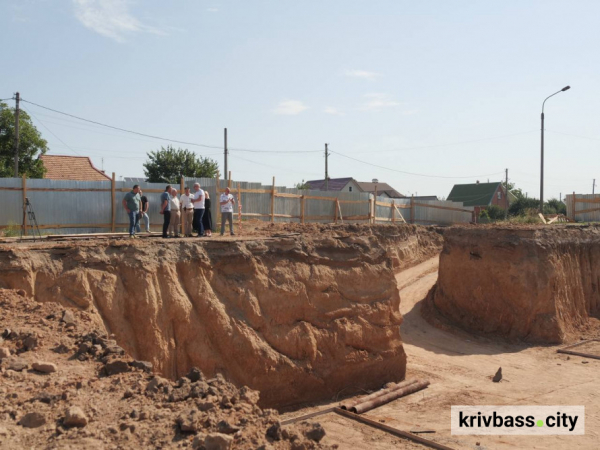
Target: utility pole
{"x": 225, "y": 154}
{"x": 18, "y": 99}
{"x": 326, "y": 169}
{"x": 506, "y": 196}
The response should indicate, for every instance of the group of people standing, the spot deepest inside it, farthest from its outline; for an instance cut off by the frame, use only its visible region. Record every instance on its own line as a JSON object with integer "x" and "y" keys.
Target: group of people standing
{"x": 195, "y": 207}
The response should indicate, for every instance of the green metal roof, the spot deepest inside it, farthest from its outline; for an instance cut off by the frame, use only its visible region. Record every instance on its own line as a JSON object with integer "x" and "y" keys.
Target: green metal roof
{"x": 473, "y": 194}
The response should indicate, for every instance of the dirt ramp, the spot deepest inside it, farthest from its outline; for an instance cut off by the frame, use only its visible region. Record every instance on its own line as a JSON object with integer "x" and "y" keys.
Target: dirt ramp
{"x": 297, "y": 318}
{"x": 536, "y": 284}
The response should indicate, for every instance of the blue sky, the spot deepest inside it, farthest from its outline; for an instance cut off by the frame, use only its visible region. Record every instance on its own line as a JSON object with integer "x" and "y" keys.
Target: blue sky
{"x": 439, "y": 88}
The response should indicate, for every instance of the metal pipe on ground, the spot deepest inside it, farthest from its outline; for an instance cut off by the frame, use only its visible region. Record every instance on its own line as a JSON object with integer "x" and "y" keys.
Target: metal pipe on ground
{"x": 386, "y": 398}
{"x": 391, "y": 430}
{"x": 396, "y": 386}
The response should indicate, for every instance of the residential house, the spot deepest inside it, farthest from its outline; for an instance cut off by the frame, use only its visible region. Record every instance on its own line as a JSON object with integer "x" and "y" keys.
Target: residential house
{"x": 480, "y": 195}
{"x": 351, "y": 185}
{"x": 335, "y": 184}
{"x": 73, "y": 168}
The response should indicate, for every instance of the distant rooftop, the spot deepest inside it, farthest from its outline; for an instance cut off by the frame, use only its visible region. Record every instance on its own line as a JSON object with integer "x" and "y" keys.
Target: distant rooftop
{"x": 74, "y": 168}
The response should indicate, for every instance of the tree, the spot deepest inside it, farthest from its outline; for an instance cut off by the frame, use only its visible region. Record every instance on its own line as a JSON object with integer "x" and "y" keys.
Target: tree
{"x": 522, "y": 206}
{"x": 495, "y": 212}
{"x": 555, "y": 206}
{"x": 303, "y": 185}
{"x": 31, "y": 145}
{"x": 169, "y": 164}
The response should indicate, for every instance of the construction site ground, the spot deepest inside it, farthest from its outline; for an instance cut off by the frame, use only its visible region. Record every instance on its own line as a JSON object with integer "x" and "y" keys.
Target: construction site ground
{"x": 460, "y": 367}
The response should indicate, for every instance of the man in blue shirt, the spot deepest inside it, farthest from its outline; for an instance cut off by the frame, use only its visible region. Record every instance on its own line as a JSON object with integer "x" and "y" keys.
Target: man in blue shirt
{"x": 165, "y": 209}
{"x": 132, "y": 203}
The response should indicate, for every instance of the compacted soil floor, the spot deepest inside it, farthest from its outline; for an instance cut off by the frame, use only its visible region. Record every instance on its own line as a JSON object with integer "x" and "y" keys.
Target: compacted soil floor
{"x": 460, "y": 367}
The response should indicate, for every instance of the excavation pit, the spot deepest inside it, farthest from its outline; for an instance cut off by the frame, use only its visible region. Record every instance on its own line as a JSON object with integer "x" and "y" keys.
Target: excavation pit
{"x": 297, "y": 317}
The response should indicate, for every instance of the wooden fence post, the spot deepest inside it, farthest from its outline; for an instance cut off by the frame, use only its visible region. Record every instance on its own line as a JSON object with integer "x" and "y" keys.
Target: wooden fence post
{"x": 369, "y": 215}
{"x": 181, "y": 191}
{"x": 393, "y": 212}
{"x": 113, "y": 203}
{"x": 218, "y": 211}
{"x": 335, "y": 214}
{"x": 302, "y": 206}
{"x": 412, "y": 209}
{"x": 239, "y": 209}
{"x": 229, "y": 181}
{"x": 574, "y": 205}
{"x": 273, "y": 201}
{"x": 24, "y": 186}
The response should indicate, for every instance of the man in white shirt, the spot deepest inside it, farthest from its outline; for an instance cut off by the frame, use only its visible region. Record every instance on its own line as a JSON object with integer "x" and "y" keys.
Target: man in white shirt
{"x": 227, "y": 201}
{"x": 187, "y": 212}
{"x": 198, "y": 202}
{"x": 175, "y": 214}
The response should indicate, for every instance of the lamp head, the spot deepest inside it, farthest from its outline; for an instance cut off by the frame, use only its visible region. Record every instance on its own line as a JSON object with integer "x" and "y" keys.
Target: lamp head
{"x": 566, "y": 88}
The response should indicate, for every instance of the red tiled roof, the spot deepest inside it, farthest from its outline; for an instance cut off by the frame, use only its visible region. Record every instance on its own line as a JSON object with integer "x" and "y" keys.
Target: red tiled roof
{"x": 76, "y": 168}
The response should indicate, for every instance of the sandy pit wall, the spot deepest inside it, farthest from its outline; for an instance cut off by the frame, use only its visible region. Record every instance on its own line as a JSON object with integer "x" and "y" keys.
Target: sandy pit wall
{"x": 296, "y": 318}
{"x": 534, "y": 284}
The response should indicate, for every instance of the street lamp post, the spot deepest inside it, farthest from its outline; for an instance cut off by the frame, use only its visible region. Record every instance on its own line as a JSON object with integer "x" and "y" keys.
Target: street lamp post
{"x": 566, "y": 88}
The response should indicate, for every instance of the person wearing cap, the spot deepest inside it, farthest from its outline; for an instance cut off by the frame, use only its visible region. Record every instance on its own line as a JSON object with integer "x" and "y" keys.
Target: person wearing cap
{"x": 227, "y": 201}
{"x": 187, "y": 211}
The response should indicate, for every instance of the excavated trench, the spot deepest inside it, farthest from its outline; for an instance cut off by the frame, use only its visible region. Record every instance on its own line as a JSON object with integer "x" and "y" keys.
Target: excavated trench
{"x": 298, "y": 318}
{"x": 528, "y": 283}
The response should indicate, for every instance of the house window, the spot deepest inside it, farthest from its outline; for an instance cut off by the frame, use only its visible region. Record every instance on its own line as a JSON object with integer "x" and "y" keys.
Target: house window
{"x": 349, "y": 188}
{"x": 499, "y": 195}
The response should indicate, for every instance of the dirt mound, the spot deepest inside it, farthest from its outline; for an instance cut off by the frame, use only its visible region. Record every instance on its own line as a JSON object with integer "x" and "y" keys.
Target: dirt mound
{"x": 298, "y": 318}
{"x": 66, "y": 385}
{"x": 528, "y": 283}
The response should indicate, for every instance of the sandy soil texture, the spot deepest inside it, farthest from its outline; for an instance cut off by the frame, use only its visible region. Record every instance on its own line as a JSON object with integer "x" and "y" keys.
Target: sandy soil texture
{"x": 460, "y": 367}
{"x": 533, "y": 284}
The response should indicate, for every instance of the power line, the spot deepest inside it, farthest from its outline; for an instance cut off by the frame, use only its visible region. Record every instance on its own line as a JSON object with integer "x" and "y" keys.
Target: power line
{"x": 121, "y": 129}
{"x": 447, "y": 145}
{"x": 410, "y": 173}
{"x": 42, "y": 123}
{"x": 272, "y": 167}
{"x": 162, "y": 138}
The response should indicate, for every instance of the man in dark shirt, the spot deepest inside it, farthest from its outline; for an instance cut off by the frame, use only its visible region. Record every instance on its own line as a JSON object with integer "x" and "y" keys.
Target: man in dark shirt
{"x": 132, "y": 203}
{"x": 144, "y": 213}
{"x": 165, "y": 209}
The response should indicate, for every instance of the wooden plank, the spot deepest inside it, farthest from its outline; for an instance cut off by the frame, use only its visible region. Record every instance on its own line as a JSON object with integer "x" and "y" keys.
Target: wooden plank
{"x": 68, "y": 225}
{"x": 256, "y": 214}
{"x": 399, "y": 213}
{"x": 55, "y": 189}
{"x": 387, "y": 205}
{"x": 359, "y": 217}
{"x": 583, "y": 211}
{"x": 393, "y": 211}
{"x": 554, "y": 219}
{"x": 448, "y": 208}
{"x": 315, "y": 197}
{"x": 151, "y": 191}
{"x": 251, "y": 191}
{"x": 583, "y": 200}
{"x": 283, "y": 194}
{"x": 229, "y": 180}
{"x": 289, "y": 216}
{"x": 574, "y": 205}
{"x": 351, "y": 201}
{"x": 371, "y": 210}
{"x": 335, "y": 211}
{"x": 24, "y": 187}
{"x": 339, "y": 208}
{"x": 113, "y": 203}
{"x": 239, "y": 205}
{"x": 318, "y": 217}
{"x": 273, "y": 201}
{"x": 302, "y": 208}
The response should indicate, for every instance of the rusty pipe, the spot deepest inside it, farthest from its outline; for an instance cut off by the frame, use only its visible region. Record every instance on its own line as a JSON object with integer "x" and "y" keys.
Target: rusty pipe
{"x": 369, "y": 397}
{"x": 386, "y": 398}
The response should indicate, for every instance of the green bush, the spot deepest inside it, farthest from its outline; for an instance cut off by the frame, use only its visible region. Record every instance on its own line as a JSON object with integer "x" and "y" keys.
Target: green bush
{"x": 12, "y": 230}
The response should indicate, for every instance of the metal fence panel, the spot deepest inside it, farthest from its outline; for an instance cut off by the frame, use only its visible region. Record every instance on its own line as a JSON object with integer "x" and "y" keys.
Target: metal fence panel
{"x": 592, "y": 203}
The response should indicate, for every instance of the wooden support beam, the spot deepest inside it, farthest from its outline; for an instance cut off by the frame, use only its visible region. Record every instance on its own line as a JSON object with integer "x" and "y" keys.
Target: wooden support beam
{"x": 335, "y": 212}
{"x": 273, "y": 201}
{"x": 24, "y": 187}
{"x": 302, "y": 208}
{"x": 113, "y": 203}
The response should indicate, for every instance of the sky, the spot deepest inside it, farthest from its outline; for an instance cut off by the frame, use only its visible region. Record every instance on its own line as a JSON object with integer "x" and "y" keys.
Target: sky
{"x": 420, "y": 95}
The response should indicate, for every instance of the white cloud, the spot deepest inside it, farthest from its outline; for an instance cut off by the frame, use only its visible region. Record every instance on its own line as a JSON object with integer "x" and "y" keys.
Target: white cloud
{"x": 290, "y": 107}
{"x": 362, "y": 74}
{"x": 213, "y": 10}
{"x": 333, "y": 111}
{"x": 110, "y": 18}
{"x": 377, "y": 102}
